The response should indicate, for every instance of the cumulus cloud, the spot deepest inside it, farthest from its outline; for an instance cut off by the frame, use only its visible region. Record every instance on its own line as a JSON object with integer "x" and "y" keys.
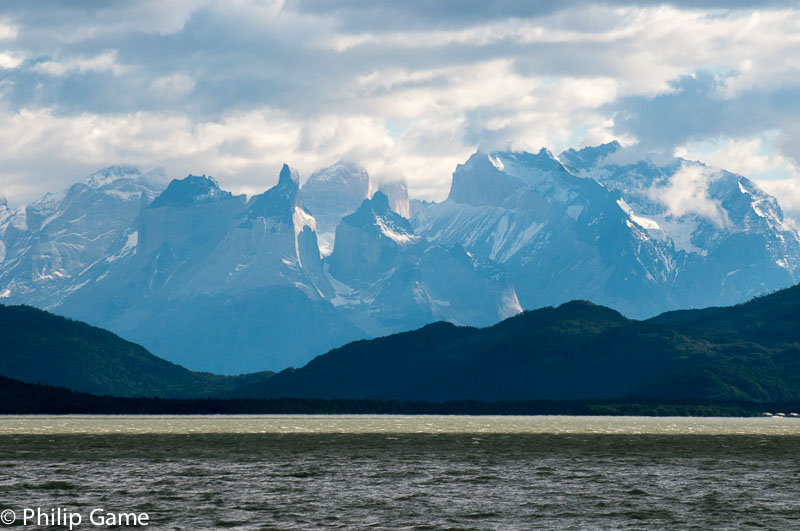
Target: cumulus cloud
{"x": 686, "y": 192}
{"x": 754, "y": 157}
{"x": 245, "y": 150}
{"x": 105, "y": 62}
{"x": 698, "y": 107}
{"x": 234, "y": 89}
{"x": 9, "y": 60}
{"x": 7, "y": 31}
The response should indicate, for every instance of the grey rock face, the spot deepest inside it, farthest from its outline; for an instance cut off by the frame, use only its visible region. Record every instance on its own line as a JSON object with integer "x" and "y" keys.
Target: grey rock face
{"x": 388, "y": 279}
{"x": 332, "y": 193}
{"x": 49, "y": 244}
{"x": 369, "y": 241}
{"x": 559, "y": 237}
{"x": 221, "y": 284}
{"x": 415, "y": 206}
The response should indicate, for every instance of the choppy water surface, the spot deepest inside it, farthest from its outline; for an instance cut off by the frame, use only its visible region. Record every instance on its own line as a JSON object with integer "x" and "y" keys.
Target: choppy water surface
{"x": 409, "y": 472}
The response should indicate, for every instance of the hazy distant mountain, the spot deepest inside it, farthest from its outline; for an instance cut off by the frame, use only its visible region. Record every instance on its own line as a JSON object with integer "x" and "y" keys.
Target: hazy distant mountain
{"x": 576, "y": 351}
{"x": 638, "y": 237}
{"x": 397, "y": 193}
{"x": 220, "y": 283}
{"x": 332, "y": 193}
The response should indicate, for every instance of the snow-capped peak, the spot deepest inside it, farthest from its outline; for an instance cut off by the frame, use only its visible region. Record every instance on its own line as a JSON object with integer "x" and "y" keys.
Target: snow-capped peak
{"x": 529, "y": 167}
{"x": 343, "y": 171}
{"x": 109, "y": 175}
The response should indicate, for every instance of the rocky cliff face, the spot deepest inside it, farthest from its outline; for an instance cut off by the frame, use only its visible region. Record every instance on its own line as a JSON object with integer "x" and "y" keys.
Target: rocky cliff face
{"x": 219, "y": 283}
{"x": 559, "y": 237}
{"x": 369, "y": 242}
{"x": 388, "y": 278}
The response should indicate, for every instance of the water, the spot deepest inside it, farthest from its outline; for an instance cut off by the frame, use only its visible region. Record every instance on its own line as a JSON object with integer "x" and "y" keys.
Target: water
{"x": 308, "y": 472}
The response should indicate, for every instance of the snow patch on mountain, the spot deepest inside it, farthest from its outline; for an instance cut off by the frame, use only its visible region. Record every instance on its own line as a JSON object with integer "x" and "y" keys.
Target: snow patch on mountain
{"x": 722, "y": 222}
{"x": 645, "y": 223}
{"x": 131, "y": 240}
{"x": 398, "y": 236}
{"x": 51, "y": 243}
{"x": 110, "y": 175}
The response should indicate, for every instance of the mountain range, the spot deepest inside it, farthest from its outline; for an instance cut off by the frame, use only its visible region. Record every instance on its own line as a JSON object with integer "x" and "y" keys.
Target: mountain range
{"x": 230, "y": 284}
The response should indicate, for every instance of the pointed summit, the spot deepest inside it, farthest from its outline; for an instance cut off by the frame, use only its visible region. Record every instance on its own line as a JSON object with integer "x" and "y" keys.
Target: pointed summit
{"x": 369, "y": 241}
{"x": 376, "y": 216}
{"x": 288, "y": 177}
{"x": 278, "y": 202}
{"x": 379, "y": 203}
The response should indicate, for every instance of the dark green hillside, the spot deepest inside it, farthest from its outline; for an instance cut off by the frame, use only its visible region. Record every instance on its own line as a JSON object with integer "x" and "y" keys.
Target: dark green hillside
{"x": 37, "y": 346}
{"x": 749, "y": 352}
{"x": 19, "y": 398}
{"x": 771, "y": 319}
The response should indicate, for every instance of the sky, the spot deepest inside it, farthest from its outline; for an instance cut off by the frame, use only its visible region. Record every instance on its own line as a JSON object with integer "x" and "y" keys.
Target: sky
{"x": 235, "y": 88}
